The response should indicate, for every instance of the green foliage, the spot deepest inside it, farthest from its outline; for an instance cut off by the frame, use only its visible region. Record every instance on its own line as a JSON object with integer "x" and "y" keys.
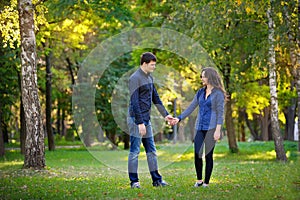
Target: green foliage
{"x": 75, "y": 174}
{"x": 233, "y": 33}
{"x": 9, "y": 86}
{"x": 254, "y": 98}
{"x": 9, "y": 25}
{"x": 103, "y": 98}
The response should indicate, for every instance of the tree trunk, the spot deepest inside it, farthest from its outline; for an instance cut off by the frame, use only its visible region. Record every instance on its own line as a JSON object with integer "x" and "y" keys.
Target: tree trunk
{"x": 2, "y": 148}
{"x": 233, "y": 147}
{"x": 100, "y": 136}
{"x": 290, "y": 113}
{"x": 265, "y": 124}
{"x": 34, "y": 145}
{"x": 22, "y": 119}
{"x": 294, "y": 35}
{"x": 241, "y": 126}
{"x": 63, "y": 126}
{"x": 279, "y": 148}
{"x": 58, "y": 118}
{"x": 51, "y": 144}
{"x": 5, "y": 131}
{"x": 71, "y": 70}
{"x": 298, "y": 92}
{"x": 181, "y": 136}
{"x": 87, "y": 130}
{"x": 252, "y": 129}
{"x": 23, "y": 128}
{"x": 230, "y": 127}
{"x": 126, "y": 140}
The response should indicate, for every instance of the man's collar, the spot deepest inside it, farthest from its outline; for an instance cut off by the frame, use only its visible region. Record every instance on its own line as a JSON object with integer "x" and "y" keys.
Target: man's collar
{"x": 142, "y": 71}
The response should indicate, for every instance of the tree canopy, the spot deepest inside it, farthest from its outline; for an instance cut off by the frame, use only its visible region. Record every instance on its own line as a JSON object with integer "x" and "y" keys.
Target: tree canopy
{"x": 233, "y": 35}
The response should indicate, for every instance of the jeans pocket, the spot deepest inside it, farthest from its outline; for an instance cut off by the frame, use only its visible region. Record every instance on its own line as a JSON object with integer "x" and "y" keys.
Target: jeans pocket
{"x": 132, "y": 127}
{"x": 130, "y": 121}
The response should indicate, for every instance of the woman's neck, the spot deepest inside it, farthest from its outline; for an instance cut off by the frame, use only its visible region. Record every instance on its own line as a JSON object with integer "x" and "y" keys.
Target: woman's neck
{"x": 209, "y": 87}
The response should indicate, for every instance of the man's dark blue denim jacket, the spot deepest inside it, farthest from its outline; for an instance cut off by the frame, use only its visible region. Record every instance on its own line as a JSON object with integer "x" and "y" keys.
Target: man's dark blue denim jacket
{"x": 210, "y": 111}
{"x": 142, "y": 94}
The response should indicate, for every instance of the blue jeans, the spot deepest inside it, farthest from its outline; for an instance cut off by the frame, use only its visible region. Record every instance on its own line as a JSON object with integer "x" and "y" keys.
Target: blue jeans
{"x": 135, "y": 142}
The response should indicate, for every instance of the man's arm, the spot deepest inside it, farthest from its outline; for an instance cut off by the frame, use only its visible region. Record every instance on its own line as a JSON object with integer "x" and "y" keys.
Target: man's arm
{"x": 158, "y": 103}
{"x": 134, "y": 99}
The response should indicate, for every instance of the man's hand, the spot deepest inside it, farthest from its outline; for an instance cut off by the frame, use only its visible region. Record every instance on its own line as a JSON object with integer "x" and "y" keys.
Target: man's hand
{"x": 142, "y": 129}
{"x": 171, "y": 120}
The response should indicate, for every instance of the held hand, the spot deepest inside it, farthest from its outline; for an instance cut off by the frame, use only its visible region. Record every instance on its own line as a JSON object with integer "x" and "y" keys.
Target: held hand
{"x": 142, "y": 129}
{"x": 169, "y": 118}
{"x": 174, "y": 121}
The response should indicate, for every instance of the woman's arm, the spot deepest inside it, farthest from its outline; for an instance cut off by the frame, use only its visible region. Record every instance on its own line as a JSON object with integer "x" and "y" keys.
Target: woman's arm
{"x": 193, "y": 105}
{"x": 220, "y": 115}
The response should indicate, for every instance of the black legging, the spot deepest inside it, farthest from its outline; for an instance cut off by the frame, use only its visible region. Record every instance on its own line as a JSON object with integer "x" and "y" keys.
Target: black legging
{"x": 206, "y": 137}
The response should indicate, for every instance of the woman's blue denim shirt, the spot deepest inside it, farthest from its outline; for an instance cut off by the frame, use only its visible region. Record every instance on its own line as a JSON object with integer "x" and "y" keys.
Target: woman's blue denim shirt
{"x": 211, "y": 110}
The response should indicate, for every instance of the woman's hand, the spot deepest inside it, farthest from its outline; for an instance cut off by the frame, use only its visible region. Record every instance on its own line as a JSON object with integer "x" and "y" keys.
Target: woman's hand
{"x": 217, "y": 134}
{"x": 174, "y": 121}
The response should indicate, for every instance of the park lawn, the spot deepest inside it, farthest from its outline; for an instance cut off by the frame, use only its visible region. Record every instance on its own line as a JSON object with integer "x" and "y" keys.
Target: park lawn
{"x": 253, "y": 173}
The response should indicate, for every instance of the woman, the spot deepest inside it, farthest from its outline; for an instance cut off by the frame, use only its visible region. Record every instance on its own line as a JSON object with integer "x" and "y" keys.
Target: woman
{"x": 210, "y": 100}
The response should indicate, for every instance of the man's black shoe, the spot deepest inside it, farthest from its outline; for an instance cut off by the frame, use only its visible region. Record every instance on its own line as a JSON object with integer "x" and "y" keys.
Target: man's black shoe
{"x": 161, "y": 183}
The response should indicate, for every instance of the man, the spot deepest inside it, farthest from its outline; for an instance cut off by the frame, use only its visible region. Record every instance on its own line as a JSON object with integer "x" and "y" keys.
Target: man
{"x": 142, "y": 94}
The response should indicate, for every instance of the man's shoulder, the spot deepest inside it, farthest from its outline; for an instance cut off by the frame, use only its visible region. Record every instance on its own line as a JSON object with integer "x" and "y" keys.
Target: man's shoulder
{"x": 135, "y": 74}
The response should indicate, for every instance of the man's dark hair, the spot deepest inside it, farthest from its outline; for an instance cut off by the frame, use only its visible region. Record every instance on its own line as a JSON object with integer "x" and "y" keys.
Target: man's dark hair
{"x": 147, "y": 57}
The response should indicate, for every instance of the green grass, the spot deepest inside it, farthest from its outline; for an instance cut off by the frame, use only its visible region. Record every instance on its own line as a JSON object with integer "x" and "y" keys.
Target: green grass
{"x": 253, "y": 173}
{"x": 59, "y": 141}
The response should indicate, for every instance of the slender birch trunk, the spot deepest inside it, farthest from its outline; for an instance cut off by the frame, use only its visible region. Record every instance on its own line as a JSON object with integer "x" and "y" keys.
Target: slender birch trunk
{"x": 34, "y": 144}
{"x": 278, "y": 140}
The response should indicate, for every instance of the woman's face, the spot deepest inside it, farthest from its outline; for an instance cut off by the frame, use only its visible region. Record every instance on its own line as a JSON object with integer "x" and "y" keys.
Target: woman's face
{"x": 204, "y": 79}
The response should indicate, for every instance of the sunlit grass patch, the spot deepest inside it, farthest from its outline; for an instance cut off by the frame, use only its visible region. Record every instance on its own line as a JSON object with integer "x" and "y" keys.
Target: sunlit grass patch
{"x": 11, "y": 163}
{"x": 185, "y": 157}
{"x": 269, "y": 155}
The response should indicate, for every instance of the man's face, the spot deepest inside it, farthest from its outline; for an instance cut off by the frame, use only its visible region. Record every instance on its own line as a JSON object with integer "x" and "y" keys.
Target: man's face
{"x": 149, "y": 67}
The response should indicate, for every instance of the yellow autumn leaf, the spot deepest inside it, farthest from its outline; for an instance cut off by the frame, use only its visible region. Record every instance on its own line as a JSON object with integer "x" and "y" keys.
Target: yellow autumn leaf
{"x": 248, "y": 10}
